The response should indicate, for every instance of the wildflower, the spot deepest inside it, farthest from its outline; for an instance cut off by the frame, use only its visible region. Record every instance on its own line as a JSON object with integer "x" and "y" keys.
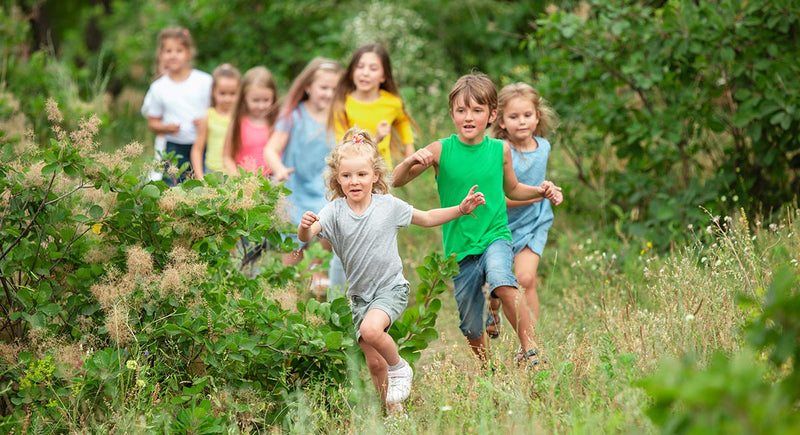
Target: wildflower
{"x": 131, "y": 364}
{"x": 689, "y": 317}
{"x": 446, "y": 408}
{"x": 140, "y": 383}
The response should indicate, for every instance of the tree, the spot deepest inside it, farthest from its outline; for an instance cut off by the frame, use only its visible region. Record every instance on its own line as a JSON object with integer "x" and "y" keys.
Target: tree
{"x": 696, "y": 100}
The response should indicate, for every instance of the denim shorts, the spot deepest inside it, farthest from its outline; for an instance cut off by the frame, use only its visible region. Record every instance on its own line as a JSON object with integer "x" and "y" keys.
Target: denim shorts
{"x": 391, "y": 300}
{"x": 494, "y": 267}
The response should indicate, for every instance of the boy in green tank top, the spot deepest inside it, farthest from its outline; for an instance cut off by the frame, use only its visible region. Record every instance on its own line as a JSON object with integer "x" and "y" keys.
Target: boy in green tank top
{"x": 482, "y": 241}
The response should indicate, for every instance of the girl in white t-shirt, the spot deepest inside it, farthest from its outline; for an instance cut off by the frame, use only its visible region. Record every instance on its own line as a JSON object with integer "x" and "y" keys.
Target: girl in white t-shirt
{"x": 178, "y": 99}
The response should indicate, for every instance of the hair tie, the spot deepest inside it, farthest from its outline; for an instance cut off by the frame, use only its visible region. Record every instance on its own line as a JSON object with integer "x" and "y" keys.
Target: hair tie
{"x": 185, "y": 32}
{"x": 357, "y": 138}
{"x": 327, "y": 65}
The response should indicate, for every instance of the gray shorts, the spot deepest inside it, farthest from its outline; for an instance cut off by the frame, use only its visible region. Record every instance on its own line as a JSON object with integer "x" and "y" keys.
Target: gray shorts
{"x": 391, "y": 300}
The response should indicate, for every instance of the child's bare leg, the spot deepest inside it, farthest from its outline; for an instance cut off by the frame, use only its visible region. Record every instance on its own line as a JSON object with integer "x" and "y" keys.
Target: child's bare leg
{"x": 526, "y": 265}
{"x": 516, "y": 309}
{"x": 373, "y": 334}
{"x": 478, "y": 347}
{"x": 292, "y": 258}
{"x": 377, "y": 368}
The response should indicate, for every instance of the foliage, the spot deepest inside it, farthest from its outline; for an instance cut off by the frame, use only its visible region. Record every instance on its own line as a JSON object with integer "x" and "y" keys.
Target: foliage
{"x": 695, "y": 98}
{"x": 120, "y": 294}
{"x": 416, "y": 329}
{"x": 732, "y": 394}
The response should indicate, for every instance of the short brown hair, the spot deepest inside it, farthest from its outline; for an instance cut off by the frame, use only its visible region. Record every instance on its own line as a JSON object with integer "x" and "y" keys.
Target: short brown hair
{"x": 475, "y": 86}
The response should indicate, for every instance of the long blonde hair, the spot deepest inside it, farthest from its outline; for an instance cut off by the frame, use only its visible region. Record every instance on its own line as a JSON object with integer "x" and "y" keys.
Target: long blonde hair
{"x": 356, "y": 142}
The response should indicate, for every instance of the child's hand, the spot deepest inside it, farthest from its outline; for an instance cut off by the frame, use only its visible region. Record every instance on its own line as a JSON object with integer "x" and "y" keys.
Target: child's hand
{"x": 308, "y": 219}
{"x": 422, "y": 156}
{"x": 172, "y": 128}
{"x": 383, "y": 130}
{"x": 282, "y": 174}
{"x": 552, "y": 192}
{"x": 471, "y": 202}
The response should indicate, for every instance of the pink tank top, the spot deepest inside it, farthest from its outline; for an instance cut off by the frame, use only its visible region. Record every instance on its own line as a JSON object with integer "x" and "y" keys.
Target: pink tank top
{"x": 251, "y": 155}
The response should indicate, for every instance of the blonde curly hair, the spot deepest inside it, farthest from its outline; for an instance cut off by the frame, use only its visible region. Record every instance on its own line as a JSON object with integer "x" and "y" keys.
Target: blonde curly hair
{"x": 356, "y": 142}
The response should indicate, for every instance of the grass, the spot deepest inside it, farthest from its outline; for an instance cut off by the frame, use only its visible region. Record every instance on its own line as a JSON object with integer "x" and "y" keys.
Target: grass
{"x": 609, "y": 318}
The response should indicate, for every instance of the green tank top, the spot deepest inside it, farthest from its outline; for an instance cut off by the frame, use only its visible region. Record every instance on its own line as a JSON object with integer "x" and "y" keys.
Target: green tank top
{"x": 462, "y": 166}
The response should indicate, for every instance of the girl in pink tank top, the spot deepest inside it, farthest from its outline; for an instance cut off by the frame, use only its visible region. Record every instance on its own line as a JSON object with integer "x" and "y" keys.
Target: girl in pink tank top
{"x": 251, "y": 123}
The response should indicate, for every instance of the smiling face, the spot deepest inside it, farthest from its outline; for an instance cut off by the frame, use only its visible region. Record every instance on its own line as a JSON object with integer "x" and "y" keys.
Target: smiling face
{"x": 368, "y": 73}
{"x": 520, "y": 120}
{"x": 356, "y": 177}
{"x": 471, "y": 120}
{"x": 225, "y": 94}
{"x": 258, "y": 101}
{"x": 320, "y": 92}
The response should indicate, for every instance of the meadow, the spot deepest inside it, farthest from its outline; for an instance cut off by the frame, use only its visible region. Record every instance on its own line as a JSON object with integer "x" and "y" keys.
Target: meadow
{"x": 669, "y": 303}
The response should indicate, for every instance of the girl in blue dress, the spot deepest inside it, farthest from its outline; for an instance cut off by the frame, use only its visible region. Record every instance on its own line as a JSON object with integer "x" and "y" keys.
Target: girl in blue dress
{"x": 296, "y": 154}
{"x": 524, "y": 119}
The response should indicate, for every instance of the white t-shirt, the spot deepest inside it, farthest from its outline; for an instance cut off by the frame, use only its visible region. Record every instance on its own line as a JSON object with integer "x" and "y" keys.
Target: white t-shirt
{"x": 179, "y": 103}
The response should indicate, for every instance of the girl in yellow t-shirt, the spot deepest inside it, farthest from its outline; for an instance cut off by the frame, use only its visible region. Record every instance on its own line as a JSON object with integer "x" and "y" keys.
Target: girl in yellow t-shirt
{"x": 367, "y": 96}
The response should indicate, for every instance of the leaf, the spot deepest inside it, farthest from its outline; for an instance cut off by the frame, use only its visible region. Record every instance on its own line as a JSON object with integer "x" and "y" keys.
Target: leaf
{"x": 333, "y": 339}
{"x": 50, "y": 309}
{"x": 96, "y": 212}
{"x": 151, "y": 191}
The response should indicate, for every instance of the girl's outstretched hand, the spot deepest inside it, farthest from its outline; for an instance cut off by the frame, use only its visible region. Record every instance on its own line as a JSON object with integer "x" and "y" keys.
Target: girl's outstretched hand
{"x": 552, "y": 192}
{"x": 384, "y": 129}
{"x": 282, "y": 174}
{"x": 308, "y": 219}
{"x": 471, "y": 202}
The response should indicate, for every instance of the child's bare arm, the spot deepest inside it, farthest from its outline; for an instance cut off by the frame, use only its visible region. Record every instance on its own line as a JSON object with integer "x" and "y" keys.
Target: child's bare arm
{"x": 439, "y": 216}
{"x": 416, "y": 164}
{"x": 309, "y": 226}
{"x": 513, "y": 189}
{"x": 158, "y": 127}
{"x": 272, "y": 155}
{"x": 199, "y": 146}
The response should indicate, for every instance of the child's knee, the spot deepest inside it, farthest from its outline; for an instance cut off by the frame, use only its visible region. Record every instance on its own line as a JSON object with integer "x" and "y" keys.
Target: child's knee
{"x": 370, "y": 334}
{"x": 527, "y": 281}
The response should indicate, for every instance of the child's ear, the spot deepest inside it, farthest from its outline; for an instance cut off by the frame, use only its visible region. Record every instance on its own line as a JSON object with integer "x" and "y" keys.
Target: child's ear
{"x": 493, "y": 116}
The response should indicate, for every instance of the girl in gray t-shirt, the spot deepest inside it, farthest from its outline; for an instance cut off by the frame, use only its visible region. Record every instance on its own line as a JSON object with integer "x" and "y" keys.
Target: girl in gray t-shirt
{"x": 361, "y": 223}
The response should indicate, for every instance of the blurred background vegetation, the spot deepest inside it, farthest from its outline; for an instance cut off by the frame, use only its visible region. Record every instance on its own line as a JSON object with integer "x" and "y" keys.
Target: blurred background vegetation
{"x": 678, "y": 152}
{"x": 665, "y": 105}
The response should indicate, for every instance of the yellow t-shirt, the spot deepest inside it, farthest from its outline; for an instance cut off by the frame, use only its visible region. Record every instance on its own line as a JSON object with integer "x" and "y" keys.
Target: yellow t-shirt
{"x": 215, "y": 139}
{"x": 388, "y": 107}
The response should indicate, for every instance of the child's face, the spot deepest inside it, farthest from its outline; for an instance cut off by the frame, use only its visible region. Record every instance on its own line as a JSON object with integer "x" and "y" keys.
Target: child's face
{"x": 258, "y": 101}
{"x": 225, "y": 93}
{"x": 356, "y": 177}
{"x": 520, "y": 120}
{"x": 174, "y": 56}
{"x": 471, "y": 120}
{"x": 320, "y": 93}
{"x": 368, "y": 73}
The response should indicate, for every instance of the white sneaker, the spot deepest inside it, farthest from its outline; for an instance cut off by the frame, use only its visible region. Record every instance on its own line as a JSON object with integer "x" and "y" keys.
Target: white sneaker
{"x": 399, "y": 387}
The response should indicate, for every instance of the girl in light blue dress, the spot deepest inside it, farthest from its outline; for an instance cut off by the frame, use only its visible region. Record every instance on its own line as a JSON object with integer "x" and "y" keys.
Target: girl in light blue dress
{"x": 524, "y": 119}
{"x": 296, "y": 153}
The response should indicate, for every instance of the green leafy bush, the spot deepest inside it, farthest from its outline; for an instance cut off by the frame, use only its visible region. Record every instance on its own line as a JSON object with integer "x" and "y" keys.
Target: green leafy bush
{"x": 671, "y": 106}
{"x": 120, "y": 294}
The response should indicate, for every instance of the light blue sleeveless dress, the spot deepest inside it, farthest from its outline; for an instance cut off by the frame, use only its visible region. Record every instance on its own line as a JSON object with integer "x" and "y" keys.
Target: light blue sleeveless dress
{"x": 530, "y": 224}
